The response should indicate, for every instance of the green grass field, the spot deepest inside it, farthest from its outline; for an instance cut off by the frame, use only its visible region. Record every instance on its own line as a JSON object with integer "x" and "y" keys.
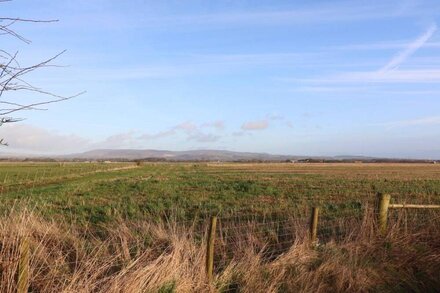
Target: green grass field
{"x": 120, "y": 227}
{"x": 98, "y": 192}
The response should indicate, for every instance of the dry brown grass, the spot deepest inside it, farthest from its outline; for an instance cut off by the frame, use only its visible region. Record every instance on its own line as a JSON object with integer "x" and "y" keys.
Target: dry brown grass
{"x": 403, "y": 171}
{"x": 166, "y": 257}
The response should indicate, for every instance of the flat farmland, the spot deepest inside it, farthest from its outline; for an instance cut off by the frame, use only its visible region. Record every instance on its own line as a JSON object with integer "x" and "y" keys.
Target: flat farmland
{"x": 123, "y": 227}
{"x": 101, "y": 192}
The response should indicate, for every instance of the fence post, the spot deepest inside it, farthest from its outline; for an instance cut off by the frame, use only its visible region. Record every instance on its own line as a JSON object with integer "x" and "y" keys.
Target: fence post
{"x": 23, "y": 267}
{"x": 314, "y": 225}
{"x": 383, "y": 205}
{"x": 210, "y": 249}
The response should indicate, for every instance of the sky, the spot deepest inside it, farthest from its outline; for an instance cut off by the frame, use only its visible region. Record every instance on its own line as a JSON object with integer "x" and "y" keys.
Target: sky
{"x": 282, "y": 77}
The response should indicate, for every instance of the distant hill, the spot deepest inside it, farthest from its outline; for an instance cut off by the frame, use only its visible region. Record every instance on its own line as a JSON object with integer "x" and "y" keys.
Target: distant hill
{"x": 195, "y": 155}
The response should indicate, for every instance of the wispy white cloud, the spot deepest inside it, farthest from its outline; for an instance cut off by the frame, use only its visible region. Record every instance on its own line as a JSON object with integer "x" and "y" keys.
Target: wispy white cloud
{"x": 118, "y": 140}
{"x": 406, "y": 6}
{"x": 186, "y": 126}
{"x": 275, "y": 117}
{"x": 289, "y": 124}
{"x": 239, "y": 133}
{"x": 389, "y": 73}
{"x": 196, "y": 64}
{"x": 255, "y": 125}
{"x": 410, "y": 50}
{"x": 191, "y": 130}
{"x": 158, "y": 135}
{"x": 280, "y": 118}
{"x": 203, "y": 137}
{"x": 28, "y": 138}
{"x": 218, "y": 125}
{"x": 383, "y": 46}
{"x": 330, "y": 89}
{"x": 363, "y": 89}
{"x": 361, "y": 77}
{"x": 424, "y": 121}
{"x": 411, "y": 92}
{"x": 393, "y": 76}
{"x": 31, "y": 139}
{"x": 257, "y": 59}
{"x": 339, "y": 11}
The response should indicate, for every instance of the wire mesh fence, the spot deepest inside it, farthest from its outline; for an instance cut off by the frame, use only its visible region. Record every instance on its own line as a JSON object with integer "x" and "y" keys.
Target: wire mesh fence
{"x": 270, "y": 234}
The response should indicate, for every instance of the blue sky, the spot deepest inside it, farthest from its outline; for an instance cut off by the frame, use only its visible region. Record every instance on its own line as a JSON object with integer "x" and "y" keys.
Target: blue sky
{"x": 286, "y": 77}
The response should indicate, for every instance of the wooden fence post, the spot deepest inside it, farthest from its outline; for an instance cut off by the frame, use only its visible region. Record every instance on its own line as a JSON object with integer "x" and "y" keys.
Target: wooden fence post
{"x": 210, "y": 249}
{"x": 314, "y": 225}
{"x": 382, "y": 216}
{"x": 23, "y": 267}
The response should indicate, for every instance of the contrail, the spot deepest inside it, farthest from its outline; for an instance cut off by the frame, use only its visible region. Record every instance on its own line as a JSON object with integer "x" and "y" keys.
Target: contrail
{"x": 411, "y": 49}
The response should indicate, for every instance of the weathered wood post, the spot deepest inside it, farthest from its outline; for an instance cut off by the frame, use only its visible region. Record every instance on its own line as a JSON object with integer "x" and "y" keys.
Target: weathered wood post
{"x": 382, "y": 212}
{"x": 314, "y": 225}
{"x": 23, "y": 267}
{"x": 210, "y": 248}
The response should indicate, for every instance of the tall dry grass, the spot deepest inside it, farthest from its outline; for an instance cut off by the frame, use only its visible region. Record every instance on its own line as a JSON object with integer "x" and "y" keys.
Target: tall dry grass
{"x": 167, "y": 257}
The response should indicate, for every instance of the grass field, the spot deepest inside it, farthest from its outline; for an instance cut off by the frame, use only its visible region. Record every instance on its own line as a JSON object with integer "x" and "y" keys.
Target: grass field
{"x": 119, "y": 227}
{"x": 99, "y": 192}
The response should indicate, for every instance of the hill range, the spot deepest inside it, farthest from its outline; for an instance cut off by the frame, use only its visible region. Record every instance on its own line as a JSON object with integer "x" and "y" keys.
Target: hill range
{"x": 193, "y": 155}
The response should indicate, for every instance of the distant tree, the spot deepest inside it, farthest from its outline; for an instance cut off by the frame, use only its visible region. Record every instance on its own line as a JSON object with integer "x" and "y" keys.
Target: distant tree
{"x": 13, "y": 75}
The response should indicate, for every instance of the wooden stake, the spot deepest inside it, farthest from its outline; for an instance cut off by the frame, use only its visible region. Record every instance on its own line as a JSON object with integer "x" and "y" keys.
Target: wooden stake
{"x": 23, "y": 267}
{"x": 384, "y": 203}
{"x": 210, "y": 249}
{"x": 314, "y": 225}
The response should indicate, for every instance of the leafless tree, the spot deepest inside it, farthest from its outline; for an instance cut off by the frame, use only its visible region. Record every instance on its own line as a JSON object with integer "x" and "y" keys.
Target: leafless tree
{"x": 13, "y": 75}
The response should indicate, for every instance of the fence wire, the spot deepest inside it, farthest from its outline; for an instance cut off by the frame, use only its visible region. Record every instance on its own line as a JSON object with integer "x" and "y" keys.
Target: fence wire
{"x": 273, "y": 234}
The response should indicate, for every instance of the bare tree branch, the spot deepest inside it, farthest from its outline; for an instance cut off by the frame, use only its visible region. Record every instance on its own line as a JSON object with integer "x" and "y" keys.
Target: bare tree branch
{"x": 12, "y": 75}
{"x": 26, "y": 107}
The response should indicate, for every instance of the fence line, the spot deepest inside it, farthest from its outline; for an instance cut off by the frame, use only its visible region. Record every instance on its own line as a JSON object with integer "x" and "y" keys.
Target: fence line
{"x": 384, "y": 206}
{"x": 381, "y": 214}
{"x": 274, "y": 235}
